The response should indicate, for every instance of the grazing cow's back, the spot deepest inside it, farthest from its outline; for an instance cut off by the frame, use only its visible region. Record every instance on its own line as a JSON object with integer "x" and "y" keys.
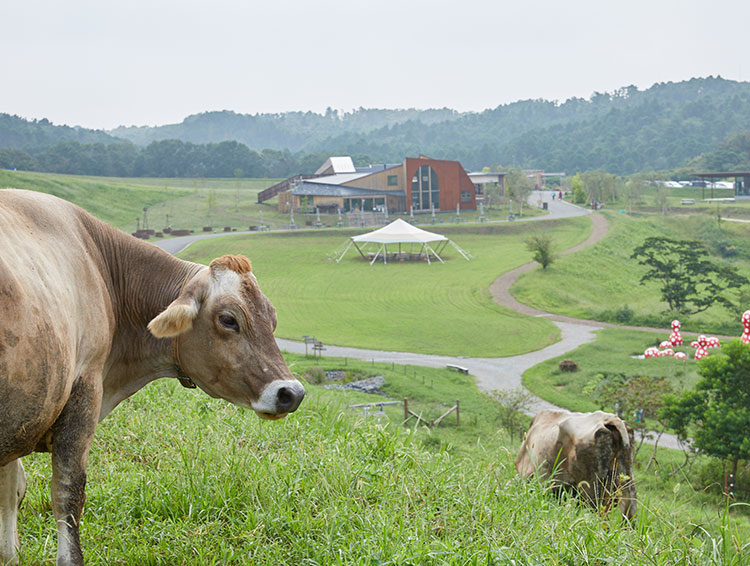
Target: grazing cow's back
{"x": 592, "y": 452}
{"x": 89, "y": 315}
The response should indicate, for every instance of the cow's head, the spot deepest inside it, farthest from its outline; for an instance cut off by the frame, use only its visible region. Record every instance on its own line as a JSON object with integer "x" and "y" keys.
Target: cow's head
{"x": 223, "y": 330}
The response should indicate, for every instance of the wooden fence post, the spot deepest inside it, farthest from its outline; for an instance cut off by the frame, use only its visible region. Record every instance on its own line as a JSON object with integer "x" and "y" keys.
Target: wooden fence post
{"x": 406, "y": 410}
{"x": 458, "y": 414}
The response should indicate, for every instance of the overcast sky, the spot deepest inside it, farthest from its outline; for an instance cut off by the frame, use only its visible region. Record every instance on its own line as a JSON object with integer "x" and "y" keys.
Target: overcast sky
{"x": 104, "y": 63}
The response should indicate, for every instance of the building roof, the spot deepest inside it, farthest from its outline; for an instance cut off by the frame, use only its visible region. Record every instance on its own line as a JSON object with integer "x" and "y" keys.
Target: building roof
{"x": 308, "y": 188}
{"x": 337, "y": 179}
{"x": 482, "y": 177}
{"x": 338, "y": 164}
{"x": 721, "y": 175}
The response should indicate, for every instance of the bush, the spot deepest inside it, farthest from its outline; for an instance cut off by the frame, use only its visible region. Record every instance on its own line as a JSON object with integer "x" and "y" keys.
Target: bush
{"x": 709, "y": 475}
{"x": 624, "y": 314}
{"x": 579, "y": 196}
{"x": 315, "y": 375}
{"x": 568, "y": 365}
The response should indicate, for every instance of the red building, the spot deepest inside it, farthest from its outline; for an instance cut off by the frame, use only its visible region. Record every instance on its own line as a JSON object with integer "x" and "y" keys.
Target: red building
{"x": 419, "y": 184}
{"x": 437, "y": 183}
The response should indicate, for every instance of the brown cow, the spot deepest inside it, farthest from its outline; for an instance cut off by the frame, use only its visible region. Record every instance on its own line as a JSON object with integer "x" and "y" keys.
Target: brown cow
{"x": 592, "y": 452}
{"x": 88, "y": 316}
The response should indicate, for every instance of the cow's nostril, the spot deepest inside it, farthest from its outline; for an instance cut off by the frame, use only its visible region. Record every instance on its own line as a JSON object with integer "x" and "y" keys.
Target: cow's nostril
{"x": 288, "y": 399}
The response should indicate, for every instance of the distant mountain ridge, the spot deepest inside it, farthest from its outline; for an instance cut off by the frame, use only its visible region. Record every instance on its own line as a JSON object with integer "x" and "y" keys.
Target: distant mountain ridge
{"x": 288, "y": 130}
{"x": 629, "y": 130}
{"x": 18, "y": 133}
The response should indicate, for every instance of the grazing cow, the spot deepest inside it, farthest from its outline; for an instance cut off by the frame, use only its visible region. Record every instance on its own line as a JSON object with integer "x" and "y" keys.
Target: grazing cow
{"x": 592, "y": 452}
{"x": 88, "y": 316}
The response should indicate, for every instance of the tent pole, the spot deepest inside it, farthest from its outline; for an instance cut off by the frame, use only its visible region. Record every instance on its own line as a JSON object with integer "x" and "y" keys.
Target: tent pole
{"x": 360, "y": 251}
{"x": 433, "y": 251}
{"x": 376, "y": 255}
{"x": 349, "y": 245}
{"x": 427, "y": 254}
{"x": 465, "y": 254}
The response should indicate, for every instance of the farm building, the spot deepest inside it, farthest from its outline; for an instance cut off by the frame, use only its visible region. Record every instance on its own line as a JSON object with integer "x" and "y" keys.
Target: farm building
{"x": 418, "y": 184}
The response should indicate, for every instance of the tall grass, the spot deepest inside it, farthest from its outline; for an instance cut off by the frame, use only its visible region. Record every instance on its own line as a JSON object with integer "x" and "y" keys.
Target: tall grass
{"x": 177, "y": 478}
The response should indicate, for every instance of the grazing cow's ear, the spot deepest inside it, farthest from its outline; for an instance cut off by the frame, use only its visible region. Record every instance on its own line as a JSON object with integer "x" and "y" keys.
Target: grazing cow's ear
{"x": 178, "y": 316}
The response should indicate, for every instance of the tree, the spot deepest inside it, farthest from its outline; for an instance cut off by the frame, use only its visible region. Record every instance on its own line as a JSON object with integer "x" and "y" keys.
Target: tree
{"x": 690, "y": 283}
{"x": 542, "y": 247}
{"x": 718, "y": 408}
{"x": 633, "y": 190}
{"x": 576, "y": 186}
{"x": 514, "y": 403}
{"x": 518, "y": 186}
{"x": 635, "y": 398}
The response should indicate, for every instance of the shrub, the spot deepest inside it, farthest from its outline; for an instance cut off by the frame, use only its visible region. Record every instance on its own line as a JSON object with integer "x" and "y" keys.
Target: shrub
{"x": 579, "y": 195}
{"x": 624, "y": 314}
{"x": 568, "y": 365}
{"x": 315, "y": 375}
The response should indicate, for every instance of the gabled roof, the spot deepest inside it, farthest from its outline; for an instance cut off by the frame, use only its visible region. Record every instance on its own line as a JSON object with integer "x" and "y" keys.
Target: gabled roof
{"x": 338, "y": 164}
{"x": 399, "y": 231}
{"x": 338, "y": 178}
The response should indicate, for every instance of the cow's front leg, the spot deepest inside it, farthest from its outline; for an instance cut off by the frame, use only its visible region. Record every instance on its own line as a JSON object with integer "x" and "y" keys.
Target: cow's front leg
{"x": 12, "y": 490}
{"x": 71, "y": 439}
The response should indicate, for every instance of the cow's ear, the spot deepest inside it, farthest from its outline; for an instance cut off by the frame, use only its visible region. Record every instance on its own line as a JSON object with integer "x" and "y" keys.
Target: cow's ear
{"x": 175, "y": 319}
{"x": 179, "y": 315}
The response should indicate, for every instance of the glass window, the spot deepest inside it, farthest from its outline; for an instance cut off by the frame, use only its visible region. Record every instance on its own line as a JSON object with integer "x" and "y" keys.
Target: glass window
{"x": 425, "y": 191}
{"x": 465, "y": 196}
{"x": 392, "y": 180}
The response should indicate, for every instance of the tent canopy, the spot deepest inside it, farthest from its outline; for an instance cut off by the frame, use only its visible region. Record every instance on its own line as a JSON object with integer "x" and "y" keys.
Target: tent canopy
{"x": 399, "y": 231}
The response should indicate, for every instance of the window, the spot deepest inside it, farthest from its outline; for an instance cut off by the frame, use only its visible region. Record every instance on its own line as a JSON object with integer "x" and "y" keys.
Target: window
{"x": 465, "y": 196}
{"x": 392, "y": 180}
{"x": 425, "y": 192}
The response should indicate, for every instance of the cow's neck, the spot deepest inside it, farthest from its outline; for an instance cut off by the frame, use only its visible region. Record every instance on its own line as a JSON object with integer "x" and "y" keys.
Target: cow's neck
{"x": 142, "y": 281}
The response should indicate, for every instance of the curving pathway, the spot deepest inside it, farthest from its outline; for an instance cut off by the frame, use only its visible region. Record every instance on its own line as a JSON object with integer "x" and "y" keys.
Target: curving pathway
{"x": 490, "y": 373}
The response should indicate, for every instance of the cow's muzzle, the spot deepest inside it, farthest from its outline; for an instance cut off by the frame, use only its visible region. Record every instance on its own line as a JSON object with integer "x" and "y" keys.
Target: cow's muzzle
{"x": 279, "y": 398}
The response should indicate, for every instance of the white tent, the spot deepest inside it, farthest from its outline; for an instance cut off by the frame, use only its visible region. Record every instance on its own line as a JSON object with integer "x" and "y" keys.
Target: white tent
{"x": 403, "y": 234}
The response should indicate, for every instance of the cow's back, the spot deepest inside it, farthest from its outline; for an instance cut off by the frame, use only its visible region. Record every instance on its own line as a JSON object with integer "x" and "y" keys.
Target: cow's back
{"x": 53, "y": 314}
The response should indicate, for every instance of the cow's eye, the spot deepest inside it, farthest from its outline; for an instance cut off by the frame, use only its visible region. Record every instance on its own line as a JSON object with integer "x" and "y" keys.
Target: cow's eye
{"x": 228, "y": 321}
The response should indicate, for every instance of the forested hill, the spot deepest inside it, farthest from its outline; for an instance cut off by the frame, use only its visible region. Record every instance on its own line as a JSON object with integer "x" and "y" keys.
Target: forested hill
{"x": 294, "y": 131}
{"x": 16, "y": 132}
{"x": 664, "y": 127}
{"x": 624, "y": 131}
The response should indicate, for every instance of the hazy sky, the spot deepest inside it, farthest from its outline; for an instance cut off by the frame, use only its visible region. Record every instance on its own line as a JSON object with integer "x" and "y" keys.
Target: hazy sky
{"x": 104, "y": 63}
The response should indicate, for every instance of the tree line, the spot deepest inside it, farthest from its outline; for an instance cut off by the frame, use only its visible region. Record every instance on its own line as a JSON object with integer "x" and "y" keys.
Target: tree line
{"x": 166, "y": 158}
{"x": 667, "y": 126}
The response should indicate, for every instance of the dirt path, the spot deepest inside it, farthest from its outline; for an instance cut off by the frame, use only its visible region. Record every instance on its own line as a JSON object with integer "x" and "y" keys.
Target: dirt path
{"x": 500, "y": 288}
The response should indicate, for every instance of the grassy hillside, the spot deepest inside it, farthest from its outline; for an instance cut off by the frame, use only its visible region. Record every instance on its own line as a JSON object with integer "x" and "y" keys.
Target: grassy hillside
{"x": 207, "y": 483}
{"x": 184, "y": 203}
{"x": 413, "y": 307}
{"x": 602, "y": 281}
{"x": 116, "y": 202}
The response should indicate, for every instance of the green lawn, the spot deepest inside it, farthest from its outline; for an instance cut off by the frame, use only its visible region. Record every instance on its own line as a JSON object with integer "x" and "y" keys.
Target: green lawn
{"x": 413, "y": 307}
{"x": 208, "y": 483}
{"x": 601, "y": 280}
